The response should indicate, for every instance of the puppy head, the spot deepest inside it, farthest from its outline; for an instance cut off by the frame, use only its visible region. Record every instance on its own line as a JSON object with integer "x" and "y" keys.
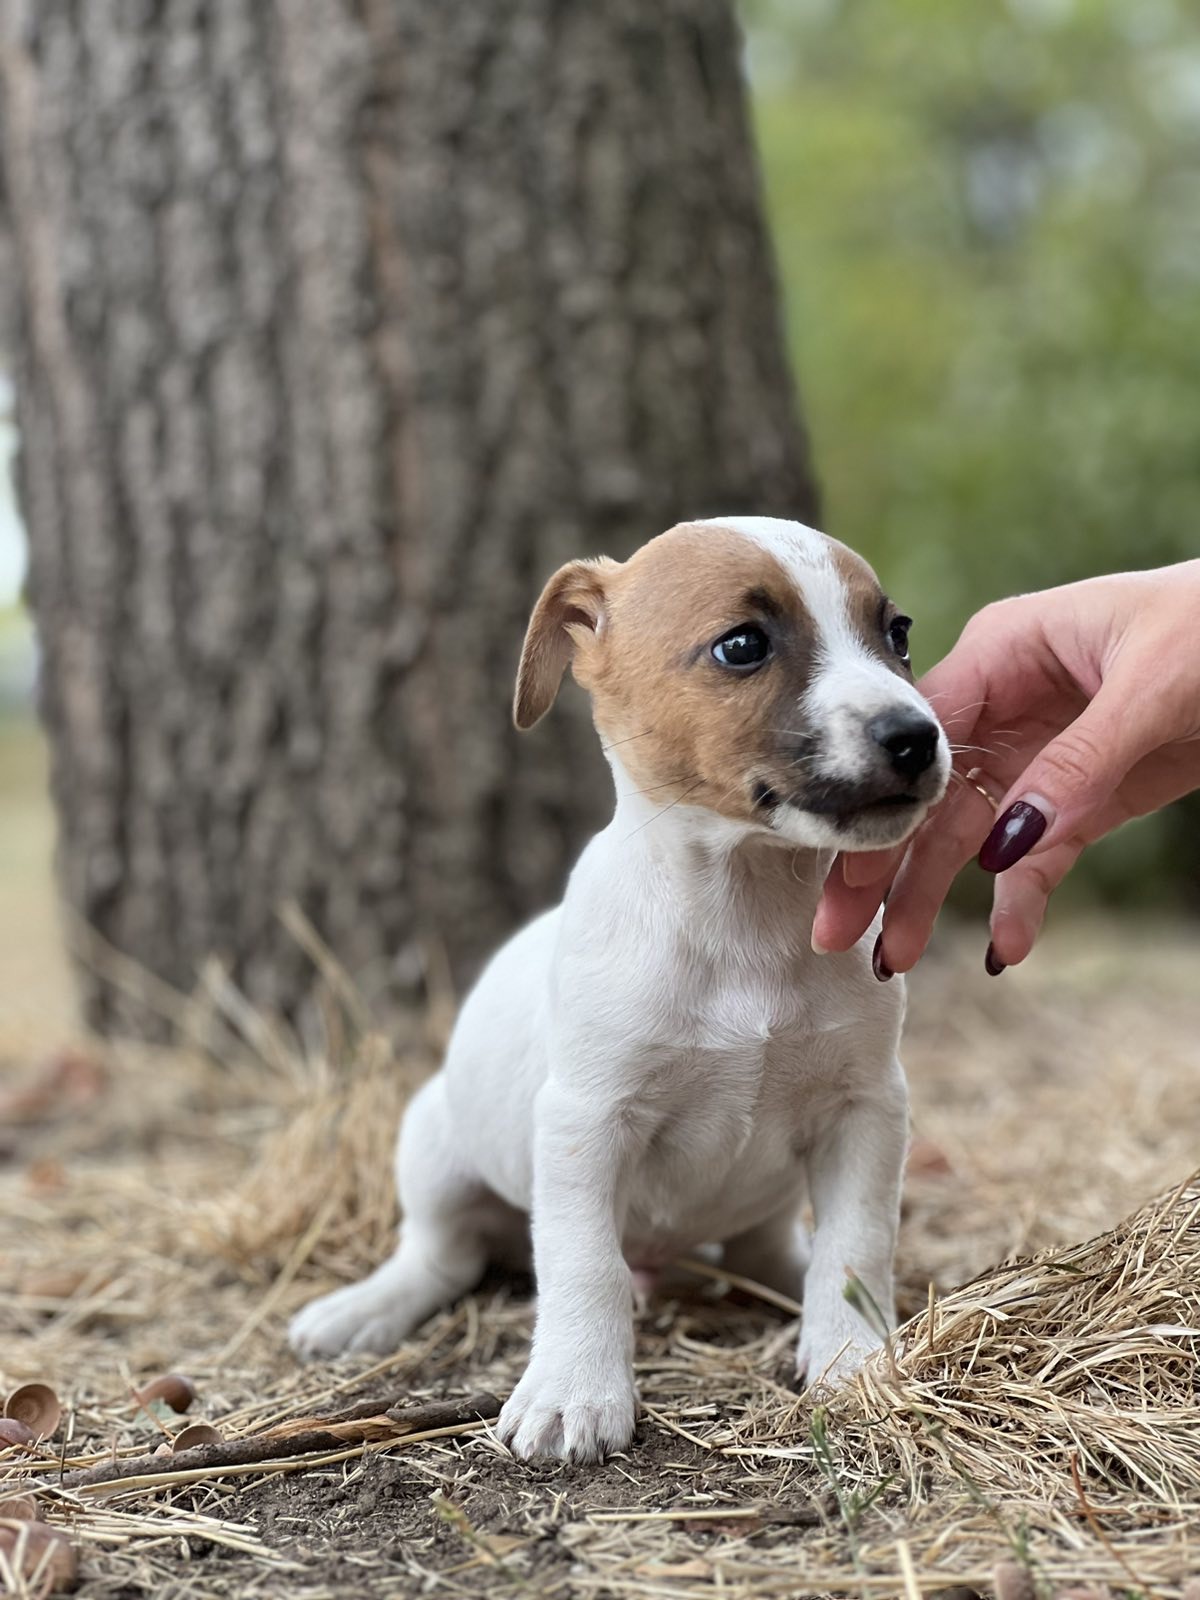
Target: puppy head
{"x": 753, "y": 667}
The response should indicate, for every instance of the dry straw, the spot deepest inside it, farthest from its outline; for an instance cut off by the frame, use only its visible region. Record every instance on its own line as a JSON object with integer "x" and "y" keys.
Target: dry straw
{"x": 1074, "y": 1373}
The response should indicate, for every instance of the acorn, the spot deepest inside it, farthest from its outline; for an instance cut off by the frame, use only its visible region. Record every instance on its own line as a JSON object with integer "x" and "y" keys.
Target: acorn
{"x": 36, "y": 1405}
{"x": 35, "y": 1548}
{"x": 195, "y": 1433}
{"x": 173, "y": 1389}
{"x": 14, "y": 1432}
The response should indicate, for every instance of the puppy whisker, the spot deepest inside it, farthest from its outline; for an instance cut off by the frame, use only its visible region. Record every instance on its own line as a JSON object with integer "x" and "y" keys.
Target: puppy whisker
{"x": 960, "y": 710}
{"x": 678, "y": 801}
{"x": 981, "y": 749}
{"x": 806, "y": 882}
{"x": 657, "y": 788}
{"x": 628, "y": 739}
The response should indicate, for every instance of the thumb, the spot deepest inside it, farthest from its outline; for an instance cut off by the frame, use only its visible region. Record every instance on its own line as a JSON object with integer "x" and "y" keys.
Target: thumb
{"x": 1073, "y": 778}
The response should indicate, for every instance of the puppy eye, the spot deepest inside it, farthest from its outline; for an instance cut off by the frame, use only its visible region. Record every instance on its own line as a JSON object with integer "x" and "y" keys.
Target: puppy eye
{"x": 742, "y": 647}
{"x": 898, "y": 635}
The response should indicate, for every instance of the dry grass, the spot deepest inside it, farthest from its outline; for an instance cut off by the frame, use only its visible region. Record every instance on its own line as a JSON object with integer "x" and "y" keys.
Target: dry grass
{"x": 1044, "y": 1414}
{"x": 1083, "y": 1358}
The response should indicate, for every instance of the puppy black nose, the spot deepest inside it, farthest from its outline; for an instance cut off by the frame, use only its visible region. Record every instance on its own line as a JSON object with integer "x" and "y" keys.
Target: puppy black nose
{"x": 910, "y": 741}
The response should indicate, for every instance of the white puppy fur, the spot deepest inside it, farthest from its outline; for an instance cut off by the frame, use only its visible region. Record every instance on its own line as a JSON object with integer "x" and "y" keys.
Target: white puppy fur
{"x": 662, "y": 1061}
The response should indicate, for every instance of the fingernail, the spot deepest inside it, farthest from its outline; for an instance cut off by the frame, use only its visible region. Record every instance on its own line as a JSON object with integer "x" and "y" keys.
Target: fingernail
{"x": 992, "y": 963}
{"x": 879, "y": 966}
{"x": 1014, "y": 836}
{"x": 819, "y": 949}
{"x": 855, "y": 875}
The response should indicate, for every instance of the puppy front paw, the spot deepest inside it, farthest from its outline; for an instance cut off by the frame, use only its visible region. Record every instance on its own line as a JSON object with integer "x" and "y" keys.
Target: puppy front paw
{"x": 829, "y": 1357}
{"x": 569, "y": 1415}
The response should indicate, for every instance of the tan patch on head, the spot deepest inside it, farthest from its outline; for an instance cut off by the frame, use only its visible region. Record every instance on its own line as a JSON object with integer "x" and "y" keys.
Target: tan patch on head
{"x": 688, "y": 727}
{"x": 869, "y": 609}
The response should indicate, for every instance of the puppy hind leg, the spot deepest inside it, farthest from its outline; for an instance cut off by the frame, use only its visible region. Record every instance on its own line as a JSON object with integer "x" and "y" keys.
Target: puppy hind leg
{"x": 775, "y": 1253}
{"x": 441, "y": 1252}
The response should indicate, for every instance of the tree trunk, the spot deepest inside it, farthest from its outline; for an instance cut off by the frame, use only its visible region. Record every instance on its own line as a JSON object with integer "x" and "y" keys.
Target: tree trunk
{"x": 341, "y": 324}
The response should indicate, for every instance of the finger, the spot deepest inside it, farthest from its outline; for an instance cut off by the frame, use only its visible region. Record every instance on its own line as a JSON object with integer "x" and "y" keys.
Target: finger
{"x": 1071, "y": 781}
{"x": 843, "y": 913}
{"x": 940, "y": 850}
{"x": 861, "y": 868}
{"x": 1019, "y": 902}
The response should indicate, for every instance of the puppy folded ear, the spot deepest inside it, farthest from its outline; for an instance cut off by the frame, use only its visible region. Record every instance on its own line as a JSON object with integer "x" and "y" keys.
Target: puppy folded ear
{"x": 568, "y": 616}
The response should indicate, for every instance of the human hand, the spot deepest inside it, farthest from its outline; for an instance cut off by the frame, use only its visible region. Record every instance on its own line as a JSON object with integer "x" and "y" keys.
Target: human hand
{"x": 1070, "y": 712}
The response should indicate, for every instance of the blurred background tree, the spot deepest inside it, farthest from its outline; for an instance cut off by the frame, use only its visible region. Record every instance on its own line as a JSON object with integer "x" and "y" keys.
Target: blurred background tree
{"x": 988, "y": 225}
{"x": 339, "y": 328}
{"x": 987, "y": 220}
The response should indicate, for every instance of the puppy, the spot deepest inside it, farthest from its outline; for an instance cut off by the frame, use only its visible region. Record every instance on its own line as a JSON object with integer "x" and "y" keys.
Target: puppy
{"x": 662, "y": 1061}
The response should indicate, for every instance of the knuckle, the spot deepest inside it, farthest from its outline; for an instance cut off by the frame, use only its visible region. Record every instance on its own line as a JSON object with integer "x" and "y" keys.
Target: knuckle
{"x": 1075, "y": 759}
{"x": 1041, "y": 877}
{"x": 992, "y": 618}
{"x": 963, "y": 828}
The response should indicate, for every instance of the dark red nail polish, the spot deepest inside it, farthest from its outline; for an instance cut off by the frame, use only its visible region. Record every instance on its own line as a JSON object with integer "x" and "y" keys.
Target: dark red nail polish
{"x": 992, "y": 963}
{"x": 878, "y": 965}
{"x": 1013, "y": 836}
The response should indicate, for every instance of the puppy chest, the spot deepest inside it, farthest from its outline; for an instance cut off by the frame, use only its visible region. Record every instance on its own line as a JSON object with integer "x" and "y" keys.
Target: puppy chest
{"x": 728, "y": 1139}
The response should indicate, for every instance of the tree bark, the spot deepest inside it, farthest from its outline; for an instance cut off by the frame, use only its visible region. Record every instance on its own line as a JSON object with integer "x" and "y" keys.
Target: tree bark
{"x": 341, "y": 324}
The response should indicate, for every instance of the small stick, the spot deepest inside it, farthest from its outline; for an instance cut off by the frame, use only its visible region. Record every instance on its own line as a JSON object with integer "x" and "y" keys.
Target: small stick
{"x": 673, "y": 1427}
{"x": 1094, "y": 1524}
{"x": 291, "y": 1267}
{"x": 159, "y": 1480}
{"x": 767, "y": 1513}
{"x": 772, "y": 1297}
{"x": 929, "y": 1310}
{"x": 911, "y": 1587}
{"x": 278, "y": 1444}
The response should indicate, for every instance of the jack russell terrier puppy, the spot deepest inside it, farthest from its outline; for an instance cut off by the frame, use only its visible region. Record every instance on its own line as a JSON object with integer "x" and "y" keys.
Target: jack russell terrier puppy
{"x": 662, "y": 1061}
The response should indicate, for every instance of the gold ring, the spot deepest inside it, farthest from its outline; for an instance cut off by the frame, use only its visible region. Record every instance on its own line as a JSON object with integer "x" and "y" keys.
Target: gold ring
{"x": 974, "y": 778}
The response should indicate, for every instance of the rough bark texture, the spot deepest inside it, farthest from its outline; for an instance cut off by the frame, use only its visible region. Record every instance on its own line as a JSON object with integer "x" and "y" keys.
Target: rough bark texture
{"x": 342, "y": 323}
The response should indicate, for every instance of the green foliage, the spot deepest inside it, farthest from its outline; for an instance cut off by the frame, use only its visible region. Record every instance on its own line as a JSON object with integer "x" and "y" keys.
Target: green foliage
{"x": 987, "y": 219}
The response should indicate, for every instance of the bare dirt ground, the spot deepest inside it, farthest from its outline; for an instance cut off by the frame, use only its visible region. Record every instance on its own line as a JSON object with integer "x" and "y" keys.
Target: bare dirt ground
{"x": 1040, "y": 1427}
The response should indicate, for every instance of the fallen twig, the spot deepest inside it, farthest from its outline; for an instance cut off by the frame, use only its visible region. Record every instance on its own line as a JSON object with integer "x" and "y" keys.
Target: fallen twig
{"x": 367, "y": 1422}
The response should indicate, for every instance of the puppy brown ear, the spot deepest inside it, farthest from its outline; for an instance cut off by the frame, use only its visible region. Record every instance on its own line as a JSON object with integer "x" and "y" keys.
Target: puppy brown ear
{"x": 569, "y": 615}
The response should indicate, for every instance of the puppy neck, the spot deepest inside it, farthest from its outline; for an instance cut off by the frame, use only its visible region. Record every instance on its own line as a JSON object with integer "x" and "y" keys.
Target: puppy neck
{"x": 713, "y": 859}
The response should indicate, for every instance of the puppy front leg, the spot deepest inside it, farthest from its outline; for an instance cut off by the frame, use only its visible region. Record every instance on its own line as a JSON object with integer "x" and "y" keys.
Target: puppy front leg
{"x": 576, "y": 1400}
{"x": 854, "y": 1171}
